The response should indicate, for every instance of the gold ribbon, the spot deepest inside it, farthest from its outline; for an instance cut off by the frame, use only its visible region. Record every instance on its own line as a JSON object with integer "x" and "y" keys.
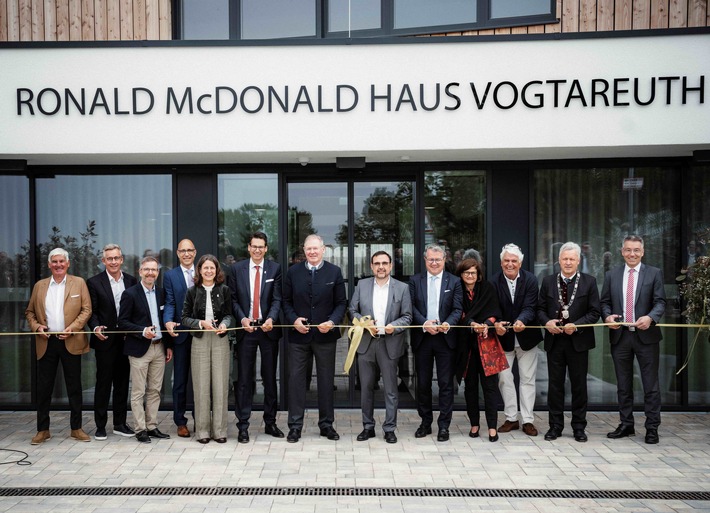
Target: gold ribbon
{"x": 355, "y": 333}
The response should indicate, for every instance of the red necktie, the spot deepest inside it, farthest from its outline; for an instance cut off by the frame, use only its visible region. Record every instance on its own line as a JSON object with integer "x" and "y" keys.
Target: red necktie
{"x": 257, "y": 291}
{"x": 629, "y": 310}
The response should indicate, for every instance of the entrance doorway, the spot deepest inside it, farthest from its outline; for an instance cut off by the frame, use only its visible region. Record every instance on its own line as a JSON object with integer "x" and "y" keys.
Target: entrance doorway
{"x": 355, "y": 218}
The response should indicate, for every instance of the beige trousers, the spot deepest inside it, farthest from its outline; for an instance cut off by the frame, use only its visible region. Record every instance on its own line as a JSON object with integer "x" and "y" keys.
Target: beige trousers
{"x": 146, "y": 383}
{"x": 210, "y": 383}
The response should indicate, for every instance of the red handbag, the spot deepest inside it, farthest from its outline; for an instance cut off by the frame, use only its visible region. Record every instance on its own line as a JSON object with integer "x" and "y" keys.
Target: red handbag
{"x": 492, "y": 355}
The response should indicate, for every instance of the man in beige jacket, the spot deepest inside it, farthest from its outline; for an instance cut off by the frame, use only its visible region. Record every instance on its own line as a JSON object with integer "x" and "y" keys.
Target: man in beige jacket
{"x": 58, "y": 309}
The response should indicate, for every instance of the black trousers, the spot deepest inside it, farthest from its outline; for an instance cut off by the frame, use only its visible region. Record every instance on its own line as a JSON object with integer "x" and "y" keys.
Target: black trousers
{"x": 489, "y": 385}
{"x": 298, "y": 358}
{"x": 623, "y": 352}
{"x": 47, "y": 375}
{"x": 433, "y": 349}
{"x": 561, "y": 358}
{"x": 112, "y": 371}
{"x": 246, "y": 360}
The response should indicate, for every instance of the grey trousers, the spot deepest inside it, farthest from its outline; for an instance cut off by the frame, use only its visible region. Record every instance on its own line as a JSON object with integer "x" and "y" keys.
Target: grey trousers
{"x": 210, "y": 383}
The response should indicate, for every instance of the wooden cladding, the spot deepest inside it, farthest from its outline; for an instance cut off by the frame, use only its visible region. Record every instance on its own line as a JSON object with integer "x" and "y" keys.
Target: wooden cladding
{"x": 113, "y": 20}
{"x": 85, "y": 20}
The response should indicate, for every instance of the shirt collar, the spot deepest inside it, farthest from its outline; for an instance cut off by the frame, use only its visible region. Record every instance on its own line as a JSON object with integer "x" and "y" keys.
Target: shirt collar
{"x": 387, "y": 283}
{"x": 308, "y": 266}
{"x": 146, "y": 290}
{"x": 111, "y": 280}
{"x": 637, "y": 268}
{"x": 52, "y": 281}
{"x": 429, "y": 275}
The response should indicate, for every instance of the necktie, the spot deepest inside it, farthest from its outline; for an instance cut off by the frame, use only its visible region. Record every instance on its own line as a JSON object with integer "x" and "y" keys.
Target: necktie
{"x": 257, "y": 292}
{"x": 432, "y": 300}
{"x": 629, "y": 310}
{"x": 189, "y": 278}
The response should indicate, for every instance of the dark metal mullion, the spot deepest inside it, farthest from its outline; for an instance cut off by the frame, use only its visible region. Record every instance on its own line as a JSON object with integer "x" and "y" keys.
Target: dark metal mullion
{"x": 235, "y": 16}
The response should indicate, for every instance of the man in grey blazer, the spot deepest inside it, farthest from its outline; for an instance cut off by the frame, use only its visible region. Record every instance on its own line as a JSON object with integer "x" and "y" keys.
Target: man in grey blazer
{"x": 389, "y": 305}
{"x": 633, "y": 294}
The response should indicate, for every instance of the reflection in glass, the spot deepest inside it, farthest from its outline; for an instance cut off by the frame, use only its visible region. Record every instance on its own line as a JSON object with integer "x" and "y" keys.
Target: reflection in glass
{"x": 347, "y": 15}
{"x": 425, "y": 13}
{"x": 133, "y": 211}
{"x": 272, "y": 19}
{"x": 15, "y": 353}
{"x": 511, "y": 8}
{"x": 593, "y": 208}
{"x": 205, "y": 19}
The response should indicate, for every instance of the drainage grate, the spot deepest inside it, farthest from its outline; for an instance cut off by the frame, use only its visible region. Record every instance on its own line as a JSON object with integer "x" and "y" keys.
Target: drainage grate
{"x": 351, "y": 492}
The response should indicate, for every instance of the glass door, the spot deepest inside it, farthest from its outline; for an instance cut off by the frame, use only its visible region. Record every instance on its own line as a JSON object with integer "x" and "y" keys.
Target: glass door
{"x": 355, "y": 220}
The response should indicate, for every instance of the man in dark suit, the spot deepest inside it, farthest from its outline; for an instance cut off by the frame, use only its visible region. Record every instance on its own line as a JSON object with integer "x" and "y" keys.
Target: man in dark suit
{"x": 147, "y": 348}
{"x": 517, "y": 297}
{"x": 568, "y": 299}
{"x": 634, "y": 295}
{"x": 112, "y": 369}
{"x": 314, "y": 301}
{"x": 389, "y": 305}
{"x": 176, "y": 282}
{"x": 436, "y": 305}
{"x": 256, "y": 302}
{"x": 61, "y": 305}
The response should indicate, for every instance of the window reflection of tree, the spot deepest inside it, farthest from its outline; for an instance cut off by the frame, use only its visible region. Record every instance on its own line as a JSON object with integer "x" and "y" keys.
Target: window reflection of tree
{"x": 238, "y": 224}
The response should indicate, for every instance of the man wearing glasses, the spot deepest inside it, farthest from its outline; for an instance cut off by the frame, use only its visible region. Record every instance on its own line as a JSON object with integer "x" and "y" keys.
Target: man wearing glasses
{"x": 176, "y": 282}
{"x": 633, "y": 294}
{"x": 388, "y": 303}
{"x": 436, "y": 305}
{"x": 256, "y": 301}
{"x": 147, "y": 348}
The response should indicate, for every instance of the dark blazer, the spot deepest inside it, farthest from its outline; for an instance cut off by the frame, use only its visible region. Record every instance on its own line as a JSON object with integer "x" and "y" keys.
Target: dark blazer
{"x": 175, "y": 290}
{"x": 195, "y": 307}
{"x": 134, "y": 315}
{"x": 650, "y": 300}
{"x": 584, "y": 310}
{"x": 398, "y": 313}
{"x": 449, "y": 305}
{"x": 103, "y": 309}
{"x": 523, "y": 309}
{"x": 320, "y": 300}
{"x": 269, "y": 295}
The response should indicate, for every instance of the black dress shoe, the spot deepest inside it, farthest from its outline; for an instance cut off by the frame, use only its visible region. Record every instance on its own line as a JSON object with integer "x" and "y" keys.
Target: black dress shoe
{"x": 580, "y": 435}
{"x": 651, "y": 436}
{"x": 222, "y": 440}
{"x": 553, "y": 434}
{"x": 366, "y": 434}
{"x": 294, "y": 435}
{"x": 330, "y": 433}
{"x": 390, "y": 437}
{"x": 422, "y": 431}
{"x": 442, "y": 435}
{"x": 621, "y": 431}
{"x": 243, "y": 436}
{"x": 203, "y": 440}
{"x": 156, "y": 433}
{"x": 273, "y": 430}
{"x": 476, "y": 434}
{"x": 142, "y": 437}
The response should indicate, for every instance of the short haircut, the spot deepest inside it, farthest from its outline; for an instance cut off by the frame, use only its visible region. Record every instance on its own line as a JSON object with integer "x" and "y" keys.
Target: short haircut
{"x": 147, "y": 259}
{"x": 58, "y": 251}
{"x": 111, "y": 247}
{"x": 314, "y": 236}
{"x": 259, "y": 235}
{"x": 633, "y": 238}
{"x": 467, "y": 263}
{"x": 378, "y": 253}
{"x": 513, "y": 249}
{"x": 570, "y": 246}
{"x": 434, "y": 247}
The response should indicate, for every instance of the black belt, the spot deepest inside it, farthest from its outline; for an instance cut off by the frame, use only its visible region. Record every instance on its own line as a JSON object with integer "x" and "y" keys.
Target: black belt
{"x": 629, "y": 328}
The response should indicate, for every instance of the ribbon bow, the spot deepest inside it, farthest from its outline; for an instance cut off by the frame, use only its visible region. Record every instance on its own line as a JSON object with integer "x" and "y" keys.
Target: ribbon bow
{"x": 355, "y": 335}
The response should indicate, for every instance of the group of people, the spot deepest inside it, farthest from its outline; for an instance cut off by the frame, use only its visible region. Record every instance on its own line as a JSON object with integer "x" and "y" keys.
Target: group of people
{"x": 136, "y": 327}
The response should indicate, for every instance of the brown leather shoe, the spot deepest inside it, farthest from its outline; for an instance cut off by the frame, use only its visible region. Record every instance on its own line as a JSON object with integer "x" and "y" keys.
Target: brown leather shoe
{"x": 183, "y": 432}
{"x": 40, "y": 437}
{"x": 78, "y": 434}
{"x": 509, "y": 426}
{"x": 529, "y": 429}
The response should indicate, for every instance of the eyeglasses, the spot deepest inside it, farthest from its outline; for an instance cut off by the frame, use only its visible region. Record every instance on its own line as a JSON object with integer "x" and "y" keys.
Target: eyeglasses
{"x": 434, "y": 260}
{"x": 113, "y": 259}
{"x": 635, "y": 251}
{"x": 380, "y": 264}
{"x": 257, "y": 248}
{"x": 186, "y": 251}
{"x": 469, "y": 273}
{"x": 149, "y": 270}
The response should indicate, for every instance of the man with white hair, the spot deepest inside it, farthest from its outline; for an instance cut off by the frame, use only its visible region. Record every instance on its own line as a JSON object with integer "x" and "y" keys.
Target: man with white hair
{"x": 517, "y": 296}
{"x": 58, "y": 309}
{"x": 568, "y": 299}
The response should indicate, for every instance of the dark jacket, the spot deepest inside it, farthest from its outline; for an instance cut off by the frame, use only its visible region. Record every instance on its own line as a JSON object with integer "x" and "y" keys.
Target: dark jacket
{"x": 449, "y": 305}
{"x": 103, "y": 309}
{"x": 134, "y": 316}
{"x": 524, "y": 309}
{"x": 193, "y": 310}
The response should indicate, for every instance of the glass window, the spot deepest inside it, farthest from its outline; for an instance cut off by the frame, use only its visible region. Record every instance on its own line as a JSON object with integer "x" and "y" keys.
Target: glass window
{"x": 271, "y": 19}
{"x": 425, "y": 13}
{"x": 84, "y": 213}
{"x": 596, "y": 208}
{"x": 698, "y": 224}
{"x": 347, "y": 15}
{"x": 513, "y": 8}
{"x": 205, "y": 19}
{"x": 15, "y": 353}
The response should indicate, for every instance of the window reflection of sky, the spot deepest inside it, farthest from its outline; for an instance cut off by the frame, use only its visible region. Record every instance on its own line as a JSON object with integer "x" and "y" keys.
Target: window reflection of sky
{"x": 14, "y": 213}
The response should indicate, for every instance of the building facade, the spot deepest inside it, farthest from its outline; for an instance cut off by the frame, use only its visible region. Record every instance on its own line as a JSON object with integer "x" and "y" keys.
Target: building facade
{"x": 143, "y": 122}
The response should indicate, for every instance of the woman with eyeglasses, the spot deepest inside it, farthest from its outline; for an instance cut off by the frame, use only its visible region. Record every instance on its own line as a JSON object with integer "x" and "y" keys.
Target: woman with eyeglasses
{"x": 480, "y": 312}
{"x": 208, "y": 307}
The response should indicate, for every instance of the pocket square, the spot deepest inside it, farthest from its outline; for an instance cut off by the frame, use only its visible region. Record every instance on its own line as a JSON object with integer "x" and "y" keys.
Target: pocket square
{"x": 447, "y": 290}
{"x": 330, "y": 283}
{"x": 162, "y": 307}
{"x": 267, "y": 281}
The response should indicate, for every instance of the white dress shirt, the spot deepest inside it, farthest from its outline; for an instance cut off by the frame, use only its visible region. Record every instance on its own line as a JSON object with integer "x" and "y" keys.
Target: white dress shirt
{"x": 54, "y": 304}
{"x": 380, "y": 296}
